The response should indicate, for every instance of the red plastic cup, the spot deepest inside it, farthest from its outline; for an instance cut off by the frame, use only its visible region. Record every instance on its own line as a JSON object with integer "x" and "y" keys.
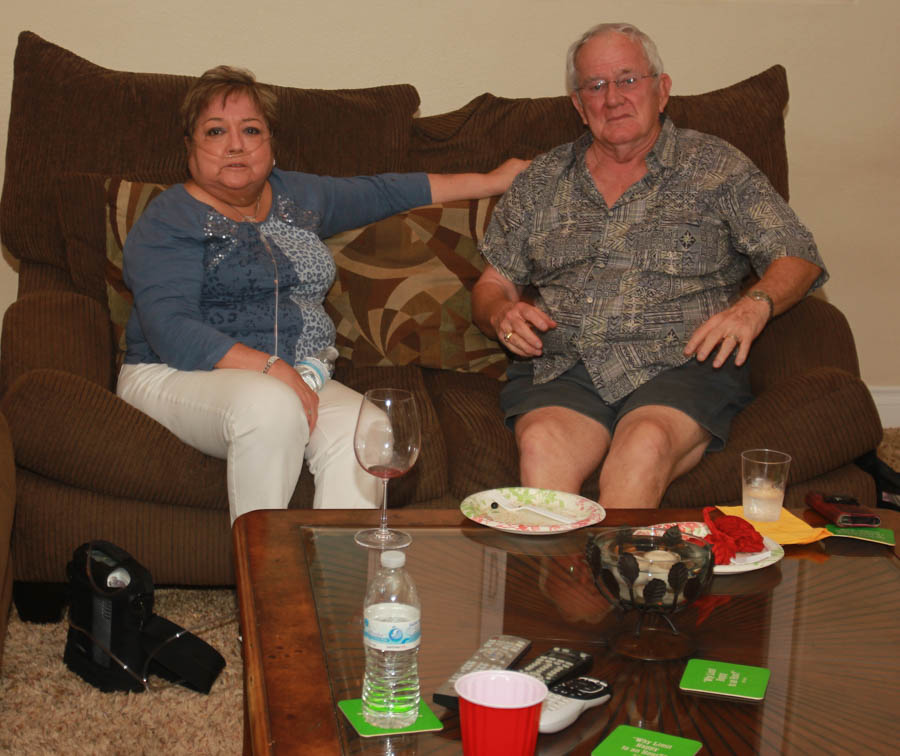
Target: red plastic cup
{"x": 499, "y": 711}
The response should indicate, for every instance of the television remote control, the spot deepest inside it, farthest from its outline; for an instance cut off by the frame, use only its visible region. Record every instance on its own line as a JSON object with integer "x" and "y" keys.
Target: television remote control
{"x": 566, "y": 700}
{"x": 498, "y": 652}
{"x": 558, "y": 664}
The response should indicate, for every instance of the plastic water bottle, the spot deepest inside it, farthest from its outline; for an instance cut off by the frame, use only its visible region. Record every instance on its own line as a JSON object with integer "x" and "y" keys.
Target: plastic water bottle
{"x": 391, "y": 634}
{"x": 316, "y": 370}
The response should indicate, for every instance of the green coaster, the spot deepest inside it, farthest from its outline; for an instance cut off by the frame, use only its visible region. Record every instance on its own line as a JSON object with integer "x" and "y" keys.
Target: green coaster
{"x": 352, "y": 708}
{"x": 724, "y": 679}
{"x": 877, "y": 535}
{"x": 635, "y": 740}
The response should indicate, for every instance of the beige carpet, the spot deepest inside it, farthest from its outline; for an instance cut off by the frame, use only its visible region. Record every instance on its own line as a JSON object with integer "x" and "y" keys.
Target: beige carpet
{"x": 46, "y": 709}
{"x": 889, "y": 450}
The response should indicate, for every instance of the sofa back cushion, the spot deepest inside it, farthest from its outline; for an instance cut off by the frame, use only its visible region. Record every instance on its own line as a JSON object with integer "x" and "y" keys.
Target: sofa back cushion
{"x": 94, "y": 239}
{"x": 477, "y": 136}
{"x": 127, "y": 124}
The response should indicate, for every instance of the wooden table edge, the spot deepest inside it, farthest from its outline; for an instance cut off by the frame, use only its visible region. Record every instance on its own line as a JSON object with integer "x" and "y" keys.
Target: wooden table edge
{"x": 257, "y": 726}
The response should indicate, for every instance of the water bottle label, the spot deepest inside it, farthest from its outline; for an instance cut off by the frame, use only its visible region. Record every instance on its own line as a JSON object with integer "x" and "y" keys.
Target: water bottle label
{"x": 385, "y": 630}
{"x": 319, "y": 369}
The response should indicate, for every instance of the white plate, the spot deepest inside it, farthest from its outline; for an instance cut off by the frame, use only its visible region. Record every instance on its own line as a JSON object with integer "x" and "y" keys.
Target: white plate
{"x": 776, "y": 551}
{"x": 478, "y": 507}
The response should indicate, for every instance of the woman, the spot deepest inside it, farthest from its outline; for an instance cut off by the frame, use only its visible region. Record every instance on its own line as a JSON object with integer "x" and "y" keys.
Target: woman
{"x": 229, "y": 274}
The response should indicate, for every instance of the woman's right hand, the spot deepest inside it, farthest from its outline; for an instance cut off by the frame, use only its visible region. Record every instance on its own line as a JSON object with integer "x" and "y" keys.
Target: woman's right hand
{"x": 310, "y": 399}
{"x": 245, "y": 358}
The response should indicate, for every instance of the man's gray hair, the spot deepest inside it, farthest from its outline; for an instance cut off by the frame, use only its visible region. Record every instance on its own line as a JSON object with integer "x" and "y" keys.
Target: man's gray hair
{"x": 628, "y": 30}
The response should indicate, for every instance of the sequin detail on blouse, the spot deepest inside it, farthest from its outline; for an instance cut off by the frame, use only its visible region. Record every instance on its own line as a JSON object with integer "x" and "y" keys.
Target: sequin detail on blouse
{"x": 238, "y": 291}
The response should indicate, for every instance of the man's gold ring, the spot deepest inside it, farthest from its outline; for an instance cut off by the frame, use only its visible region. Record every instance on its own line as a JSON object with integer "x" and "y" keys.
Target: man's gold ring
{"x": 508, "y": 336}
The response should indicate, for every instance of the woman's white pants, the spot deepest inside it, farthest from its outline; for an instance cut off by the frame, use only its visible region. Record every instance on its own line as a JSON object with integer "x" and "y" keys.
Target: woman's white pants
{"x": 258, "y": 426}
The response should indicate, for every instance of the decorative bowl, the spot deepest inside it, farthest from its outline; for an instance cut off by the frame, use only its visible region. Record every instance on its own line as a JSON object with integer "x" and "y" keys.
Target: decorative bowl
{"x": 650, "y": 573}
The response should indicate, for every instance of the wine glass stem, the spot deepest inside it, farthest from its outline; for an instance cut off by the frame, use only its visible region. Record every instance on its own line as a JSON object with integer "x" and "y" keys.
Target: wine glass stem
{"x": 384, "y": 526}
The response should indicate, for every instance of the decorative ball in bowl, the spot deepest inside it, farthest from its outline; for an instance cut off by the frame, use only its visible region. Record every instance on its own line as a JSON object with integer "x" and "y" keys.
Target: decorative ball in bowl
{"x": 650, "y": 573}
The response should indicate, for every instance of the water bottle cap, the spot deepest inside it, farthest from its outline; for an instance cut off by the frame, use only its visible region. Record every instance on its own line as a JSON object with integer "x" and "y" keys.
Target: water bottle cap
{"x": 393, "y": 559}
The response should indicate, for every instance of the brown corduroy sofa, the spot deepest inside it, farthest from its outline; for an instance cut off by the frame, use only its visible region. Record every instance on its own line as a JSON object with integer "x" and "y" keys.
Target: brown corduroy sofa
{"x": 7, "y": 509}
{"x": 88, "y": 147}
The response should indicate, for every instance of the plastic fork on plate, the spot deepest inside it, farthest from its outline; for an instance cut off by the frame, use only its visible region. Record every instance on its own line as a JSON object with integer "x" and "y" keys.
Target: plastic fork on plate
{"x": 565, "y": 519}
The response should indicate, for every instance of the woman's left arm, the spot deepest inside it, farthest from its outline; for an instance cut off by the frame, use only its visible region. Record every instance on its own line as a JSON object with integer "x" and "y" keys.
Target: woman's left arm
{"x": 447, "y": 187}
{"x": 352, "y": 202}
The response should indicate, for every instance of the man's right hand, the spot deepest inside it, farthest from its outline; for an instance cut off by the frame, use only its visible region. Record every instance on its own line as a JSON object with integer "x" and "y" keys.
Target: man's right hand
{"x": 498, "y": 309}
{"x": 515, "y": 328}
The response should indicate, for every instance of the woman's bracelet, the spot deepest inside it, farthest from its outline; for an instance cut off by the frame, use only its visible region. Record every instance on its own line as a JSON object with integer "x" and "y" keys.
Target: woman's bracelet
{"x": 271, "y": 361}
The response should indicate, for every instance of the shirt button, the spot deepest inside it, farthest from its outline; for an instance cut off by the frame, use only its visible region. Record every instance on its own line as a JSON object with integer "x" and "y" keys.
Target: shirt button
{"x": 589, "y": 300}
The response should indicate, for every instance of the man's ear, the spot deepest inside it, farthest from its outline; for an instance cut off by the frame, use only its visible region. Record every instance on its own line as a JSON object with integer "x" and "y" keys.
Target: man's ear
{"x": 576, "y": 101}
{"x": 665, "y": 86}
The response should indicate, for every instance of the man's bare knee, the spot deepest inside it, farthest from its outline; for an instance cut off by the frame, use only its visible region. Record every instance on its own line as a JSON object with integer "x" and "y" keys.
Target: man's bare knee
{"x": 558, "y": 448}
{"x": 652, "y": 446}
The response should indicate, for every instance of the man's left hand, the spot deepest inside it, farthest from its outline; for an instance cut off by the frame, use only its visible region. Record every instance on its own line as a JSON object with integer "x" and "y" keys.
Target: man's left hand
{"x": 732, "y": 331}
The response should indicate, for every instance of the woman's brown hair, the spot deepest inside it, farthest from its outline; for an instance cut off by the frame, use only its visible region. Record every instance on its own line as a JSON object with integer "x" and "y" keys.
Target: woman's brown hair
{"x": 224, "y": 81}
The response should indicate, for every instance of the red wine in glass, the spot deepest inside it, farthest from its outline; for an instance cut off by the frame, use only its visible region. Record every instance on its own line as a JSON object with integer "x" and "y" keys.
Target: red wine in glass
{"x": 383, "y": 471}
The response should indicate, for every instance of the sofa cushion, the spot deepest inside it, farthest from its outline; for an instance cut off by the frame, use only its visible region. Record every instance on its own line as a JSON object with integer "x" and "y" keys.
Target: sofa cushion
{"x": 749, "y": 115}
{"x": 122, "y": 123}
{"x": 813, "y": 416}
{"x": 402, "y": 291}
{"x": 484, "y": 452}
{"x": 53, "y": 417}
{"x": 94, "y": 227}
{"x": 477, "y": 136}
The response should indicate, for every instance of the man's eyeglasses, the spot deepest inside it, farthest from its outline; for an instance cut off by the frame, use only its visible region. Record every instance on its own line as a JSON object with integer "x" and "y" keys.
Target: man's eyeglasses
{"x": 599, "y": 87}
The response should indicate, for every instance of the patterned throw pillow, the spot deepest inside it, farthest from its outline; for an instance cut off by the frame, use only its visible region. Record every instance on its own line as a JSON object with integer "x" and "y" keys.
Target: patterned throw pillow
{"x": 402, "y": 291}
{"x": 125, "y": 201}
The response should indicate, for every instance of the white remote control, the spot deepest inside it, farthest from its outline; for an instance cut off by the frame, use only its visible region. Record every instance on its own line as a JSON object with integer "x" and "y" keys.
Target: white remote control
{"x": 566, "y": 700}
{"x": 498, "y": 652}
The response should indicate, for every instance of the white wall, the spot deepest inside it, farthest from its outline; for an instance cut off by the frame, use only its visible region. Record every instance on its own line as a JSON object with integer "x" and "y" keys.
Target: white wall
{"x": 841, "y": 56}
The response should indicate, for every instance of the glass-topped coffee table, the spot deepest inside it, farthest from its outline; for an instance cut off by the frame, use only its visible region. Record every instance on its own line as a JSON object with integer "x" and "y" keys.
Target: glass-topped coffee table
{"x": 824, "y": 620}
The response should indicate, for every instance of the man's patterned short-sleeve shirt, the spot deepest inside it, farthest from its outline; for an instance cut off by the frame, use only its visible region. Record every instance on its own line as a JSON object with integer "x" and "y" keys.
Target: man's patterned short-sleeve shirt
{"x": 628, "y": 284}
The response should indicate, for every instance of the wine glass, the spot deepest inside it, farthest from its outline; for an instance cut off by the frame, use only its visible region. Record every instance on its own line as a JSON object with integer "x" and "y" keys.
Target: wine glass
{"x": 387, "y": 441}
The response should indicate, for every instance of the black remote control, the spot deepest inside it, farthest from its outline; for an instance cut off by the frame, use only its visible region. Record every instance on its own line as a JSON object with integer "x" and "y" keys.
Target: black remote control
{"x": 498, "y": 652}
{"x": 558, "y": 664}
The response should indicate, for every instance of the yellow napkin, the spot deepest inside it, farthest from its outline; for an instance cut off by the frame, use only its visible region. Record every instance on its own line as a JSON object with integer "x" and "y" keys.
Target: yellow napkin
{"x": 788, "y": 528}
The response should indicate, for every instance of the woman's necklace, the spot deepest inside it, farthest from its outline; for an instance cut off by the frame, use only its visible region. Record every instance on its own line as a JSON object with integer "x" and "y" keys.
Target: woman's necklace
{"x": 247, "y": 218}
{"x": 265, "y": 242}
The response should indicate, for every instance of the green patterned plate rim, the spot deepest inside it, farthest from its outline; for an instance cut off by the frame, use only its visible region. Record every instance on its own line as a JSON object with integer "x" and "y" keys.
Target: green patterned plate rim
{"x": 478, "y": 508}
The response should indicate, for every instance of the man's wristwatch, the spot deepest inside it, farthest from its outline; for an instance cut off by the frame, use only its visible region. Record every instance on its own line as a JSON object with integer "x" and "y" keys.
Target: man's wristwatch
{"x": 760, "y": 296}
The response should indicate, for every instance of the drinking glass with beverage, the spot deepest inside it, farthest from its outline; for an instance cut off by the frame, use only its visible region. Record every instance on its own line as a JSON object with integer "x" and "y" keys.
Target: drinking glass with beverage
{"x": 764, "y": 474}
{"x": 387, "y": 442}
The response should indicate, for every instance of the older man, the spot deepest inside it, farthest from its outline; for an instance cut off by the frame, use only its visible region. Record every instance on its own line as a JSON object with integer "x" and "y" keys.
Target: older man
{"x": 637, "y": 238}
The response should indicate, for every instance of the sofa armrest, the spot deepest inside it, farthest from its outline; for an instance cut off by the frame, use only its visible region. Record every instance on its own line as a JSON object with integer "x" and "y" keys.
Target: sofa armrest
{"x": 824, "y": 418}
{"x": 68, "y": 429}
{"x": 813, "y": 333}
{"x": 53, "y": 329}
{"x": 7, "y": 509}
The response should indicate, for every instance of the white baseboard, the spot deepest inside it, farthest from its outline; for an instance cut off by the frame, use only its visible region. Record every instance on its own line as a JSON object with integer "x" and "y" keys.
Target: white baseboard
{"x": 887, "y": 400}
